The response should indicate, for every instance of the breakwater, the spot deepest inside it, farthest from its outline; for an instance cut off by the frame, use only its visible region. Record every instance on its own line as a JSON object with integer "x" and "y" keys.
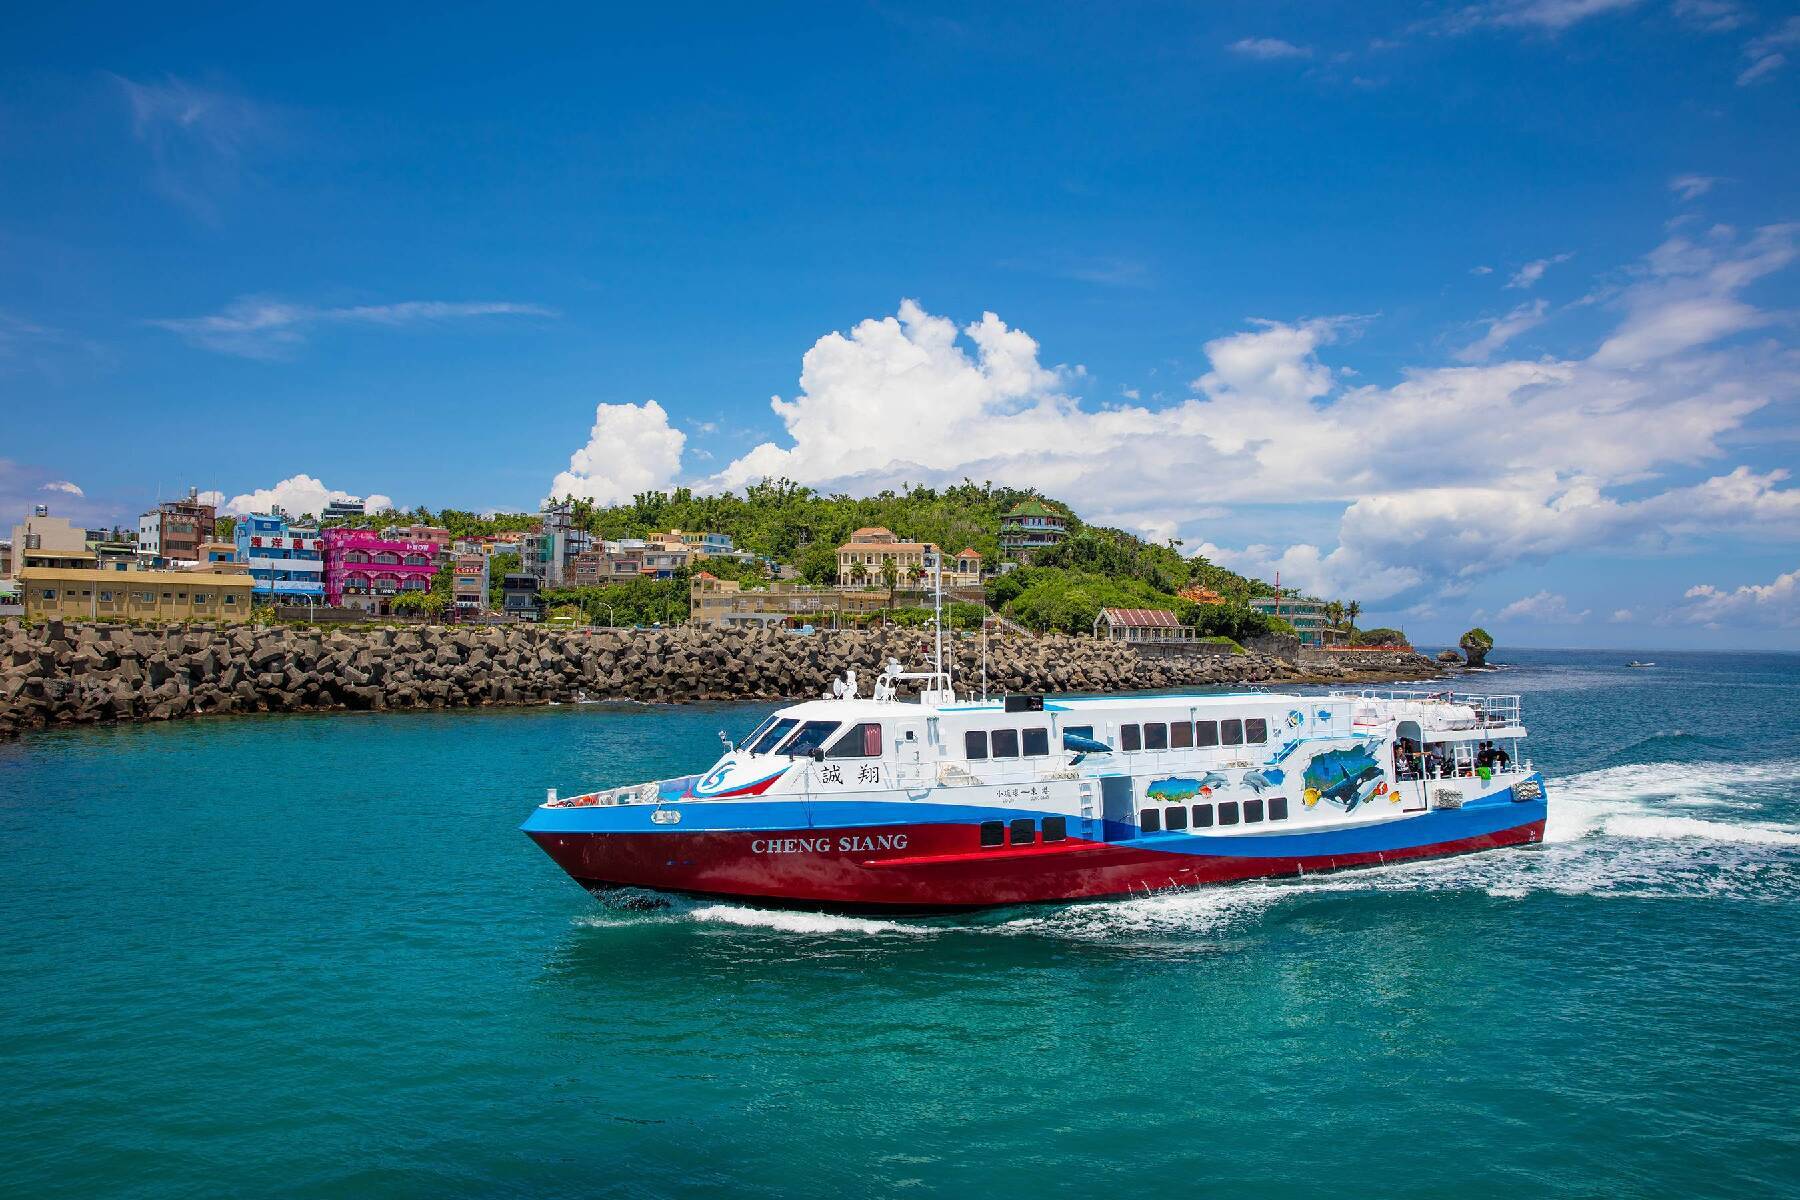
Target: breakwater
{"x": 55, "y": 673}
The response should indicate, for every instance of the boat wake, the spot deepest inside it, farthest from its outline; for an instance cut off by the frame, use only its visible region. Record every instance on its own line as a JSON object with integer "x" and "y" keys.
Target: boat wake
{"x": 1620, "y": 832}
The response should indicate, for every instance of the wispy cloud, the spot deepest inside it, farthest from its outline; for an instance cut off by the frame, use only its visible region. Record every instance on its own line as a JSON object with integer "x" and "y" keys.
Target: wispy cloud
{"x": 1692, "y": 187}
{"x": 63, "y": 485}
{"x": 1766, "y": 52}
{"x": 1269, "y": 49}
{"x": 1528, "y": 275}
{"x": 1545, "y": 15}
{"x": 1502, "y": 330}
{"x": 1713, "y": 16}
{"x": 199, "y": 139}
{"x": 258, "y": 327}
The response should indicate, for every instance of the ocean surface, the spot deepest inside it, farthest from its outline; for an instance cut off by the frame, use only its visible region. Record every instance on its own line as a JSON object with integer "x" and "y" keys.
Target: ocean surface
{"x": 312, "y": 956}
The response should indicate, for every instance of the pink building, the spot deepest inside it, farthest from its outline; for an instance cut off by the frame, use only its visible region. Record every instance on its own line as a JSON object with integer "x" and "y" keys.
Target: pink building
{"x": 365, "y": 570}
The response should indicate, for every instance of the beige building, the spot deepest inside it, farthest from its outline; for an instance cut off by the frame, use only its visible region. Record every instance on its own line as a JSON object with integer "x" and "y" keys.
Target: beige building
{"x": 87, "y": 593}
{"x": 862, "y": 559}
{"x": 725, "y": 602}
{"x": 42, "y": 540}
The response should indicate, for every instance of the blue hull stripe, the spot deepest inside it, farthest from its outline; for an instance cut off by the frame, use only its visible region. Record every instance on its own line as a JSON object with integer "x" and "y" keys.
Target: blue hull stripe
{"x": 1489, "y": 815}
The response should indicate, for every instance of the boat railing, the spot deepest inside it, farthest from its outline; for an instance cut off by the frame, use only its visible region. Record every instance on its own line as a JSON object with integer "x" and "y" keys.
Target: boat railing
{"x": 1491, "y": 711}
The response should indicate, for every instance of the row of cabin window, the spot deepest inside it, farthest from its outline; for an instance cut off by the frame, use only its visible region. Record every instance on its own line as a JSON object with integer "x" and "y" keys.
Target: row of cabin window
{"x": 1006, "y": 743}
{"x": 1155, "y": 820}
{"x": 1023, "y": 831}
{"x": 862, "y": 741}
{"x": 1181, "y": 735}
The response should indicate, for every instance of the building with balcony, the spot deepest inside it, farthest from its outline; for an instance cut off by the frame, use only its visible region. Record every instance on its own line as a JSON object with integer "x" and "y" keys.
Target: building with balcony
{"x": 963, "y": 571}
{"x": 1030, "y": 527}
{"x": 343, "y": 510}
{"x": 863, "y": 559}
{"x": 1306, "y": 616}
{"x": 365, "y": 570}
{"x": 519, "y": 596}
{"x": 134, "y": 594}
{"x": 286, "y": 561}
{"x": 173, "y": 530}
{"x": 726, "y": 602}
{"x": 42, "y": 540}
{"x": 469, "y": 584}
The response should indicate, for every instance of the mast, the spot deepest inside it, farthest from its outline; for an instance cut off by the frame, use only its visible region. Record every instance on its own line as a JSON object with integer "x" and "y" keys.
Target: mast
{"x": 937, "y": 614}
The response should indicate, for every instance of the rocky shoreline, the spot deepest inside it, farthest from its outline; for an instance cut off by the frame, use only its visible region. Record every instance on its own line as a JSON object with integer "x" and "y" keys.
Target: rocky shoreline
{"x": 54, "y": 674}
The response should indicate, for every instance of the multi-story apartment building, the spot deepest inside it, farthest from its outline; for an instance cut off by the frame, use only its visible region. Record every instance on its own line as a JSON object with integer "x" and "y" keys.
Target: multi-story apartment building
{"x": 342, "y": 510}
{"x": 173, "y": 530}
{"x": 1030, "y": 527}
{"x": 42, "y": 540}
{"x": 469, "y": 584}
{"x": 286, "y": 561}
{"x": 714, "y": 601}
{"x": 1306, "y": 616}
{"x": 365, "y": 570}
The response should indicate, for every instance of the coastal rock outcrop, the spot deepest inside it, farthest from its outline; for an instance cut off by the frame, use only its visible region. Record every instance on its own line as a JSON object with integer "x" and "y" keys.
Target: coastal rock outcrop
{"x": 58, "y": 674}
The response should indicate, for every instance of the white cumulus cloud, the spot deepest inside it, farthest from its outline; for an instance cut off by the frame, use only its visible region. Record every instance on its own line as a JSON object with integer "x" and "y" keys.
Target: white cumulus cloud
{"x": 1544, "y": 608}
{"x": 631, "y": 448}
{"x": 1776, "y": 603}
{"x": 63, "y": 485}
{"x": 299, "y": 495}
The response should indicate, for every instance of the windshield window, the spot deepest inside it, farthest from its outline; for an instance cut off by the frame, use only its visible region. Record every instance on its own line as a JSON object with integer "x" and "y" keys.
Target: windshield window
{"x": 812, "y": 735}
{"x": 749, "y": 739}
{"x": 863, "y": 741}
{"x": 776, "y": 732}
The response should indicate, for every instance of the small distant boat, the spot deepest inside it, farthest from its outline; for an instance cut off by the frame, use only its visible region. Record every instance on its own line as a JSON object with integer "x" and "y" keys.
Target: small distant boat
{"x": 1635, "y": 663}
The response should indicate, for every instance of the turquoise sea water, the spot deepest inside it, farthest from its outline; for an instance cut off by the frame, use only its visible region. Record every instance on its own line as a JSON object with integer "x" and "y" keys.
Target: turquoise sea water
{"x": 311, "y": 956}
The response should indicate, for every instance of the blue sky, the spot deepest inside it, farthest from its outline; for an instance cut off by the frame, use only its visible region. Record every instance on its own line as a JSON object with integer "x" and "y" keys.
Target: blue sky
{"x": 1478, "y": 311}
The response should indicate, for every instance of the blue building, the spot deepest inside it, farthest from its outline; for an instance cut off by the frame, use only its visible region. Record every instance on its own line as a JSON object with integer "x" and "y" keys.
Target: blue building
{"x": 287, "y": 562}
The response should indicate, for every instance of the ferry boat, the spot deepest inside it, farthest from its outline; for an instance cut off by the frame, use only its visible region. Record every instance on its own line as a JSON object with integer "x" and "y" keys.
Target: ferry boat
{"x": 882, "y": 803}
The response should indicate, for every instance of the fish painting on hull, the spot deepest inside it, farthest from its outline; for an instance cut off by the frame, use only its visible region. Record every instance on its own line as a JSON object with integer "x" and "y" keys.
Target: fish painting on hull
{"x": 1179, "y": 787}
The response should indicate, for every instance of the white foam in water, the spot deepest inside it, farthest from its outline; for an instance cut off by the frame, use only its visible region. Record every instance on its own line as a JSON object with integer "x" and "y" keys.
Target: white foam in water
{"x": 784, "y": 920}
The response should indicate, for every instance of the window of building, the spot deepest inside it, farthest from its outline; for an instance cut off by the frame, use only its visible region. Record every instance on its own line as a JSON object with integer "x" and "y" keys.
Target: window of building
{"x": 993, "y": 833}
{"x": 1256, "y": 730}
{"x": 1231, "y": 733}
{"x": 1203, "y": 816}
{"x": 1156, "y": 736}
{"x": 202, "y": 597}
{"x": 1130, "y": 738}
{"x": 1150, "y": 820}
{"x": 1024, "y": 832}
{"x": 1228, "y": 812}
{"x": 1056, "y": 829}
{"x": 1206, "y": 733}
{"x": 147, "y": 597}
{"x": 106, "y": 597}
{"x": 231, "y": 599}
{"x": 1277, "y": 808}
{"x": 168, "y": 595}
{"x": 975, "y": 744}
{"x": 776, "y": 732}
{"x": 1175, "y": 818}
{"x": 1181, "y": 735}
{"x": 181, "y": 595}
{"x": 1035, "y": 742}
{"x": 1253, "y": 811}
{"x": 862, "y": 741}
{"x": 49, "y": 593}
{"x": 1005, "y": 743}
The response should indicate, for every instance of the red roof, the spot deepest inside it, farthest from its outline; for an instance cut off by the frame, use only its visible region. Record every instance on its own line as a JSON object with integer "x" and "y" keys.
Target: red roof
{"x": 970, "y": 553}
{"x": 1141, "y": 618}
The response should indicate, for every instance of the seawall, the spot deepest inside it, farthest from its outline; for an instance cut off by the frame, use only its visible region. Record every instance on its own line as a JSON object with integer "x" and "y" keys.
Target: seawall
{"x": 57, "y": 674}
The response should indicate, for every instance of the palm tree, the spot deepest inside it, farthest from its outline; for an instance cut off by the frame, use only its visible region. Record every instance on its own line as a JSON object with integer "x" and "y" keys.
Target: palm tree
{"x": 890, "y": 576}
{"x": 1352, "y": 611}
{"x": 1334, "y": 613}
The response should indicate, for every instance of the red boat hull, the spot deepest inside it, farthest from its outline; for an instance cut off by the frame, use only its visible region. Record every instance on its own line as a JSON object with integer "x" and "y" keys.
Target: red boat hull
{"x": 931, "y": 868}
